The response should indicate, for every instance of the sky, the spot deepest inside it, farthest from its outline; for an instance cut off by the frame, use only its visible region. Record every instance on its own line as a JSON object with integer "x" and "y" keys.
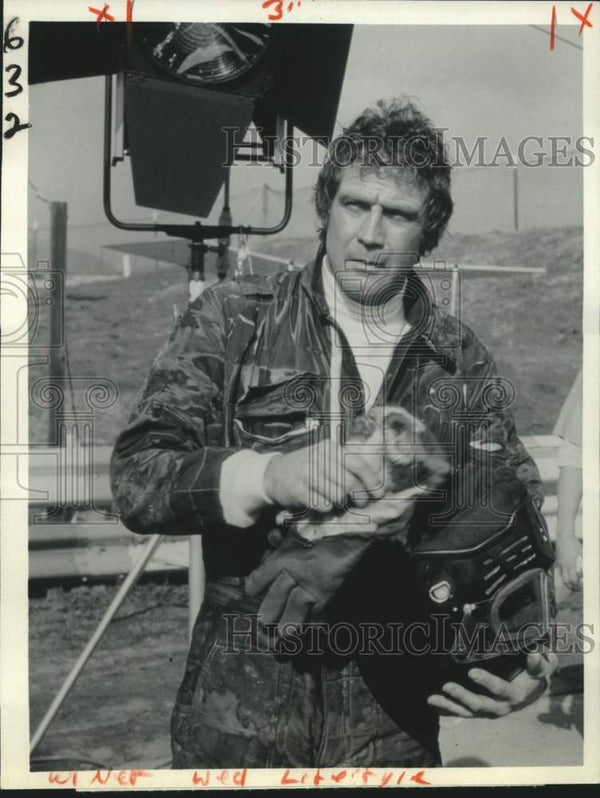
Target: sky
{"x": 489, "y": 81}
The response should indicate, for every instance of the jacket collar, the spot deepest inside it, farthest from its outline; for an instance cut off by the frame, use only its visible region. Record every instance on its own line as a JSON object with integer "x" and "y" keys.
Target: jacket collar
{"x": 430, "y": 325}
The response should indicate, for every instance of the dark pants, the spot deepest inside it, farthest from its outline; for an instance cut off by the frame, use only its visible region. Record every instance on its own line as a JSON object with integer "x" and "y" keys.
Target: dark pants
{"x": 241, "y": 707}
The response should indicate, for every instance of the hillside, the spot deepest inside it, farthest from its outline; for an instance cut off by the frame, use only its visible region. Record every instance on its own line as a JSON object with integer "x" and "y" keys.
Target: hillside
{"x": 531, "y": 323}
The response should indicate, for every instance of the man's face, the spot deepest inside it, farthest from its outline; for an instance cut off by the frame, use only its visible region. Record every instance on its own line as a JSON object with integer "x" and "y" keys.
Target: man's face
{"x": 374, "y": 231}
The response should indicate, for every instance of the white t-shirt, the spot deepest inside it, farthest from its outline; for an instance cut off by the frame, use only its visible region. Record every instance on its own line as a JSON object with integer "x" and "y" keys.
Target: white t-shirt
{"x": 372, "y": 333}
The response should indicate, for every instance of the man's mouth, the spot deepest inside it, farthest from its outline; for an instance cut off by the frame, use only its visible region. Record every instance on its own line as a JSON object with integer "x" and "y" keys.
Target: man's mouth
{"x": 359, "y": 264}
{"x": 379, "y": 265}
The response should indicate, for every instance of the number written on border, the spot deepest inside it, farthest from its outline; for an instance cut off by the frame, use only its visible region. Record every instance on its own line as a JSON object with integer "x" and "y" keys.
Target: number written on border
{"x": 13, "y": 42}
{"x": 14, "y": 80}
{"x": 17, "y": 125}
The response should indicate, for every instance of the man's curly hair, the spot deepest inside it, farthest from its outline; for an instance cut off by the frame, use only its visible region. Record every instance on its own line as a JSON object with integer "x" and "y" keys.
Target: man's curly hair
{"x": 392, "y": 133}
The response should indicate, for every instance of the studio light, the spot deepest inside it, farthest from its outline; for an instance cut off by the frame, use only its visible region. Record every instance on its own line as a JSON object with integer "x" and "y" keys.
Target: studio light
{"x": 206, "y": 53}
{"x": 179, "y": 86}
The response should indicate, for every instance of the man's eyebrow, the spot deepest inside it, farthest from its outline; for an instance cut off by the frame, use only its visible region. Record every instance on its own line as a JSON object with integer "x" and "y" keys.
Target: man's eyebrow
{"x": 355, "y": 194}
{"x": 409, "y": 212}
{"x": 408, "y": 209}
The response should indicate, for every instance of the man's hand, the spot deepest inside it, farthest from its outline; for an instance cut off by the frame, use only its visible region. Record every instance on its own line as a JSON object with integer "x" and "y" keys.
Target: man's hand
{"x": 300, "y": 578}
{"x": 375, "y": 471}
{"x": 505, "y": 696}
{"x": 568, "y": 559}
{"x": 323, "y": 476}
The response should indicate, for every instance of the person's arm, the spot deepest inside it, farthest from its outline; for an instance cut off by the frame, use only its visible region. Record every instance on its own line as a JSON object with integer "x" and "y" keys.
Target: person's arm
{"x": 569, "y": 489}
{"x": 166, "y": 468}
{"x": 170, "y": 472}
{"x": 569, "y": 492}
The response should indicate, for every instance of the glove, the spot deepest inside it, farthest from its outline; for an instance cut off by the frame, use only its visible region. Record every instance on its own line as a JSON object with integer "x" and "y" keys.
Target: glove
{"x": 303, "y": 576}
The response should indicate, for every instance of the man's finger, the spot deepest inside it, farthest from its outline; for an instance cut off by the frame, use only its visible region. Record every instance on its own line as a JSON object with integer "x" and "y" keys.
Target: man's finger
{"x": 370, "y": 478}
{"x": 262, "y": 576}
{"x": 500, "y": 688}
{"x": 541, "y": 665}
{"x": 327, "y": 483}
{"x": 476, "y": 703}
{"x": 273, "y": 604}
{"x": 396, "y": 506}
{"x": 354, "y": 490}
{"x": 447, "y": 707}
{"x": 296, "y": 611}
{"x": 337, "y": 489}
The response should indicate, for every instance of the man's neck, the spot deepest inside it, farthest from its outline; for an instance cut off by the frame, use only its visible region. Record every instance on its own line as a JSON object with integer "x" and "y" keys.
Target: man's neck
{"x": 389, "y": 314}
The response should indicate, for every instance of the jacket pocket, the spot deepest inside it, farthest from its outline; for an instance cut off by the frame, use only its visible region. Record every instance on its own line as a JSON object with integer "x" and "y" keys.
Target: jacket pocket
{"x": 278, "y": 413}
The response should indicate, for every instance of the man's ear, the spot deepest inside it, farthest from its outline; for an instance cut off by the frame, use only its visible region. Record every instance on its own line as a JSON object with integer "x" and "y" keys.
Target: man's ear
{"x": 323, "y": 231}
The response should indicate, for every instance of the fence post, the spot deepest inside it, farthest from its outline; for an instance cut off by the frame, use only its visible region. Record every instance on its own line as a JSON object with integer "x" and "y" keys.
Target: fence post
{"x": 58, "y": 262}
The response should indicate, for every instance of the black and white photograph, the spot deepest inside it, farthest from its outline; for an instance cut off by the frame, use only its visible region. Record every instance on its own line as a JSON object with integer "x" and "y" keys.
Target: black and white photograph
{"x": 300, "y": 430}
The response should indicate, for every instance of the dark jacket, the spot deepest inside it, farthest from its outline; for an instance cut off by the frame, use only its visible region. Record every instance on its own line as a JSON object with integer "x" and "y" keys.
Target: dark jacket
{"x": 248, "y": 366}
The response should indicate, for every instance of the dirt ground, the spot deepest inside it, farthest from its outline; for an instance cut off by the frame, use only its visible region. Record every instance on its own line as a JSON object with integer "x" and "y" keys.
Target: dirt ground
{"x": 118, "y": 713}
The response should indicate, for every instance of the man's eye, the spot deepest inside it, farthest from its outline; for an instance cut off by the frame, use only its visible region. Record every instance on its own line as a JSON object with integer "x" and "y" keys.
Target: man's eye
{"x": 355, "y": 205}
{"x": 396, "y": 216}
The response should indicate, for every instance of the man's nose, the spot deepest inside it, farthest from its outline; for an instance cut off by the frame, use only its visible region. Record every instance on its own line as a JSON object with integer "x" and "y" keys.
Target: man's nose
{"x": 371, "y": 231}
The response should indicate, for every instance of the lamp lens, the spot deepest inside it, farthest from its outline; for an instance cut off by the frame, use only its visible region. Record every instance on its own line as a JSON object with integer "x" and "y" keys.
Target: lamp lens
{"x": 206, "y": 53}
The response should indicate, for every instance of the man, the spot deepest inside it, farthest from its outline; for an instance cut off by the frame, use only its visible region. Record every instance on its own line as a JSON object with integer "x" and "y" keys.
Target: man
{"x": 262, "y": 379}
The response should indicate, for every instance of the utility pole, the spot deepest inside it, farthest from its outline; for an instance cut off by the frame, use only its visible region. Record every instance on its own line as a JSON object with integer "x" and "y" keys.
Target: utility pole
{"x": 265, "y": 205}
{"x": 34, "y": 248}
{"x": 58, "y": 262}
{"x": 224, "y": 241}
{"x": 516, "y": 196}
{"x": 155, "y": 221}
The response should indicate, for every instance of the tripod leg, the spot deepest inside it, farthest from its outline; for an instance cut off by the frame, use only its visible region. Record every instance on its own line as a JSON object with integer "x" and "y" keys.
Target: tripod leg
{"x": 87, "y": 652}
